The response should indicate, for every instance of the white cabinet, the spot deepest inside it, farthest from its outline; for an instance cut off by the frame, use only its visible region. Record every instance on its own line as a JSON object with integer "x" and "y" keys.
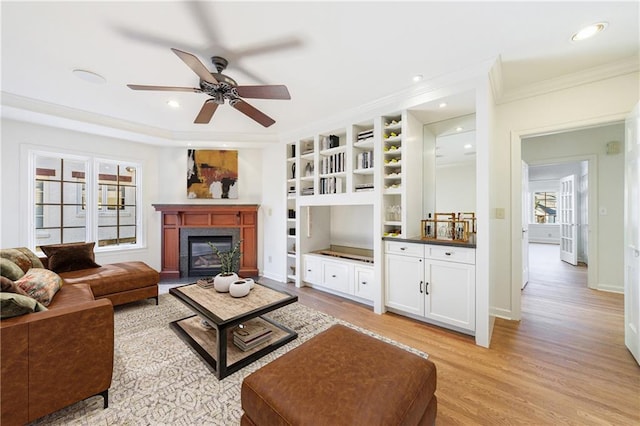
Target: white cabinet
{"x": 363, "y": 282}
{"x": 344, "y": 277}
{"x": 432, "y": 283}
{"x": 335, "y": 275}
{"x": 311, "y": 269}
{"x": 404, "y": 275}
{"x": 450, "y": 293}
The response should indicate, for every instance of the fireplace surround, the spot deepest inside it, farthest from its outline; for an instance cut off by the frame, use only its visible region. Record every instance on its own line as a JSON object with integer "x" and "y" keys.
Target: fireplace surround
{"x": 224, "y": 238}
{"x": 240, "y": 220}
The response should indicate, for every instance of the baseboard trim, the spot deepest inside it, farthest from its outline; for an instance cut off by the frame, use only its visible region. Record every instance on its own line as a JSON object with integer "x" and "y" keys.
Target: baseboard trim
{"x": 610, "y": 288}
{"x": 502, "y": 313}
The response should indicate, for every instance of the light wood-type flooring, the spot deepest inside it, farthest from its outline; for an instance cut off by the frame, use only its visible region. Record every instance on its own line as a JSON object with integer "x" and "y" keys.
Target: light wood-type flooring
{"x": 564, "y": 363}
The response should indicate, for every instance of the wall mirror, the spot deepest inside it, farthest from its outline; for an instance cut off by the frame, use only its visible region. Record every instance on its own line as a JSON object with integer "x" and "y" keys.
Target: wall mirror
{"x": 449, "y": 166}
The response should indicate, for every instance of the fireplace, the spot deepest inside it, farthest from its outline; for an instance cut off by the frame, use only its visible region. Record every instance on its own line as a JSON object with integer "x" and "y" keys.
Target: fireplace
{"x": 196, "y": 256}
{"x": 203, "y": 262}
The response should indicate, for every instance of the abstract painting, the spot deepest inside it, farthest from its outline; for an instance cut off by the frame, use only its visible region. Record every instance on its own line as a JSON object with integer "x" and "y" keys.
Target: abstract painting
{"x": 212, "y": 173}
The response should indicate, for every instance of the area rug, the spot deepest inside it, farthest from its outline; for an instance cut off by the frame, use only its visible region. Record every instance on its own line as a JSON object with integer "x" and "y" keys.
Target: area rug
{"x": 159, "y": 380}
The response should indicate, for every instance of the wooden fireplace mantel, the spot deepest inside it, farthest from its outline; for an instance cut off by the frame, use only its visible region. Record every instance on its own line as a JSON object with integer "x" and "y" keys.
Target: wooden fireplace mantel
{"x": 177, "y": 216}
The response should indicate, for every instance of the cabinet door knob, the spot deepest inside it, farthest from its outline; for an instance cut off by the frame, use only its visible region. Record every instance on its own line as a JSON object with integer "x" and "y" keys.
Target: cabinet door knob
{"x": 308, "y": 270}
{"x": 333, "y": 276}
{"x": 426, "y": 288}
{"x": 364, "y": 283}
{"x": 448, "y": 253}
{"x": 403, "y": 248}
{"x": 421, "y": 286}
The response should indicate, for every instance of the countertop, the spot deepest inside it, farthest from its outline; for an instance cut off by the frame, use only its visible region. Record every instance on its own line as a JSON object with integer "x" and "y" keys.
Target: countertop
{"x": 419, "y": 240}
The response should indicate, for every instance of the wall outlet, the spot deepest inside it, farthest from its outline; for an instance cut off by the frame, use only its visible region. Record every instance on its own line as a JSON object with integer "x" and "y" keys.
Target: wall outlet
{"x": 500, "y": 213}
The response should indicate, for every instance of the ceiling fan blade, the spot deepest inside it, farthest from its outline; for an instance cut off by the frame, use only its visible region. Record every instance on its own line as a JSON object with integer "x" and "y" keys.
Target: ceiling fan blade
{"x": 206, "y": 112}
{"x": 164, "y": 88}
{"x": 264, "y": 92}
{"x": 195, "y": 64}
{"x": 252, "y": 112}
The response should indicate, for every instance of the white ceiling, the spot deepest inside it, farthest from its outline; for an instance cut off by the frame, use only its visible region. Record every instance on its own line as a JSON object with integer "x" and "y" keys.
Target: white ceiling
{"x": 333, "y": 56}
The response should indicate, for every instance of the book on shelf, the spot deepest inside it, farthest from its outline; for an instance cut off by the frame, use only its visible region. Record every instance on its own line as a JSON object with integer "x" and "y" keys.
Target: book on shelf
{"x": 252, "y": 344}
{"x": 250, "y": 330}
{"x": 251, "y": 334}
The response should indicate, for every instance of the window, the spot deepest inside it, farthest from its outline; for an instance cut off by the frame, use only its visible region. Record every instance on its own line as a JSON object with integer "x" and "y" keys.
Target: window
{"x": 544, "y": 209}
{"x": 80, "y": 199}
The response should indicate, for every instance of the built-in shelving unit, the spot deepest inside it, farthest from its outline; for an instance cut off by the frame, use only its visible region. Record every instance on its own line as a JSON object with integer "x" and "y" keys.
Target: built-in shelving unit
{"x": 363, "y": 157}
{"x": 401, "y": 174}
{"x": 292, "y": 191}
{"x": 376, "y": 163}
{"x": 332, "y": 171}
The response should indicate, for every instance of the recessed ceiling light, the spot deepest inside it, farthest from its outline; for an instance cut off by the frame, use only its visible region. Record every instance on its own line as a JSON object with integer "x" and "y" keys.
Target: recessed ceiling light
{"x": 173, "y": 103}
{"x": 89, "y": 76}
{"x": 589, "y": 31}
{"x": 458, "y": 129}
{"x": 442, "y": 104}
{"x": 225, "y": 145}
{"x": 417, "y": 78}
{"x": 468, "y": 146}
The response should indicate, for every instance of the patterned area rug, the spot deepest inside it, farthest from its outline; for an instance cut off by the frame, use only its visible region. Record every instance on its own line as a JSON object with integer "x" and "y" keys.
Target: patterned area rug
{"x": 159, "y": 380}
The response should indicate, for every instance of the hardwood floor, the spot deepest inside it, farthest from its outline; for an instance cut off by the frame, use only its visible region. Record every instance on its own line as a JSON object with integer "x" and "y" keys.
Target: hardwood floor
{"x": 564, "y": 363}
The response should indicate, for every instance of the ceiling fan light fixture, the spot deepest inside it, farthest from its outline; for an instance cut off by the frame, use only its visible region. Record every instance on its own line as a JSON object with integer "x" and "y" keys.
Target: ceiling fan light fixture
{"x": 589, "y": 31}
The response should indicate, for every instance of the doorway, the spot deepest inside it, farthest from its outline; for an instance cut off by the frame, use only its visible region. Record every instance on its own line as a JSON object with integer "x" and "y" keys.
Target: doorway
{"x": 551, "y": 216}
{"x": 605, "y": 198}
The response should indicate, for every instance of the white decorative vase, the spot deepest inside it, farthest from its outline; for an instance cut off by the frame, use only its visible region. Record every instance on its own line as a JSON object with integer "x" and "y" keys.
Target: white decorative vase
{"x": 239, "y": 288}
{"x": 221, "y": 282}
{"x": 251, "y": 282}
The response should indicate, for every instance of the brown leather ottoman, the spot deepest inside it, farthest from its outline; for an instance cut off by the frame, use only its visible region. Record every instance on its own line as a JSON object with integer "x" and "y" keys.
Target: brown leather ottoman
{"x": 342, "y": 377}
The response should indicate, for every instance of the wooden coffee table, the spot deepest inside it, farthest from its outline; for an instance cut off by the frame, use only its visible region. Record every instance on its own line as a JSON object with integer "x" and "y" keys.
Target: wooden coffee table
{"x": 223, "y": 313}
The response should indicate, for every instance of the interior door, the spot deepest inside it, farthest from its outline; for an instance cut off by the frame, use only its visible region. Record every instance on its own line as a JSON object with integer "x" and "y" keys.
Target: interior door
{"x": 526, "y": 214}
{"x": 632, "y": 234}
{"x": 567, "y": 219}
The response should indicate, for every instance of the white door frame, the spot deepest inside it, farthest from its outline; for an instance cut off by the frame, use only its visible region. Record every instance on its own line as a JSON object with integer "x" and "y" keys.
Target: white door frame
{"x": 516, "y": 201}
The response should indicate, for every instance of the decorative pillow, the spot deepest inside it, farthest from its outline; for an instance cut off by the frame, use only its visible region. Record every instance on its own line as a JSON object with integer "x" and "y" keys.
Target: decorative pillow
{"x": 70, "y": 257}
{"x": 10, "y": 270}
{"x": 12, "y": 305}
{"x": 17, "y": 257}
{"x": 8, "y": 286}
{"x": 35, "y": 260}
{"x": 41, "y": 284}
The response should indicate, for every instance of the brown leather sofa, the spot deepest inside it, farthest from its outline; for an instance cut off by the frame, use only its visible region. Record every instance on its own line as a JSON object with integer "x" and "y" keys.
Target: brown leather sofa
{"x": 119, "y": 282}
{"x": 54, "y": 358}
{"x": 341, "y": 377}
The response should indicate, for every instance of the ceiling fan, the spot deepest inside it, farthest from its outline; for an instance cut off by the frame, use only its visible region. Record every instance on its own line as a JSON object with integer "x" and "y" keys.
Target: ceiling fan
{"x": 221, "y": 87}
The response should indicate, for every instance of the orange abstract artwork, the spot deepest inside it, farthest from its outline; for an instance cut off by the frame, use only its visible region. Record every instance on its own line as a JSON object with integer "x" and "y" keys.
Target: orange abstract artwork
{"x": 212, "y": 174}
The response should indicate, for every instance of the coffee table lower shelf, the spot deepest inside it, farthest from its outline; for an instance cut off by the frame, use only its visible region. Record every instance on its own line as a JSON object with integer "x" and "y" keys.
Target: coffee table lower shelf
{"x": 205, "y": 343}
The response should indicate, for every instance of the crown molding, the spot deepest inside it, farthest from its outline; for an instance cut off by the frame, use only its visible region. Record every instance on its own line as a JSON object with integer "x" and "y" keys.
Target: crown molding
{"x": 590, "y": 75}
{"x": 20, "y": 108}
{"x": 435, "y": 88}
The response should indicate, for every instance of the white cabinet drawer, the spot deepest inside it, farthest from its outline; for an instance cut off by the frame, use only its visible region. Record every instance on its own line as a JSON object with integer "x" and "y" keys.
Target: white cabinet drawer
{"x": 335, "y": 276}
{"x": 407, "y": 249}
{"x": 363, "y": 281}
{"x": 451, "y": 254}
{"x": 311, "y": 270}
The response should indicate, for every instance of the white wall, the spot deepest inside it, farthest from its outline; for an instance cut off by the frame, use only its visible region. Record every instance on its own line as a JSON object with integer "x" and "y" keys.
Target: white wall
{"x": 274, "y": 213}
{"x": 17, "y": 137}
{"x": 599, "y": 102}
{"x": 352, "y": 226}
{"x": 164, "y": 181}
